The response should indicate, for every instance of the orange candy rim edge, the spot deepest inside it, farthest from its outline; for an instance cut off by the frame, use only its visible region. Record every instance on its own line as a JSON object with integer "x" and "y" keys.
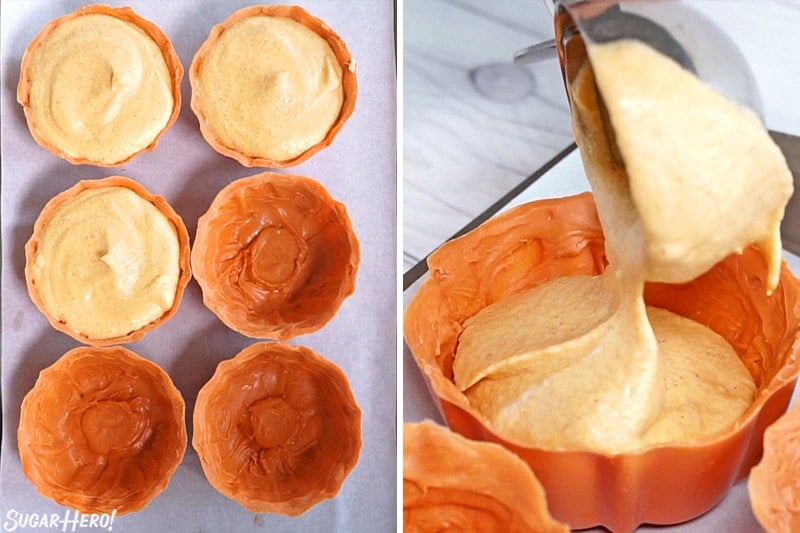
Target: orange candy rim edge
{"x": 468, "y": 467}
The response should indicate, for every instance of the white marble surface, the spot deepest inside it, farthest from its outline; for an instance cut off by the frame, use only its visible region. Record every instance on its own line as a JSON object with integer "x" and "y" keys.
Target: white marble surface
{"x": 463, "y": 151}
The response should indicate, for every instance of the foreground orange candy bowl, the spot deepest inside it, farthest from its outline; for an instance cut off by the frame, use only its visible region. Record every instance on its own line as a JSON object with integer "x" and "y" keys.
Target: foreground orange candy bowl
{"x": 541, "y": 240}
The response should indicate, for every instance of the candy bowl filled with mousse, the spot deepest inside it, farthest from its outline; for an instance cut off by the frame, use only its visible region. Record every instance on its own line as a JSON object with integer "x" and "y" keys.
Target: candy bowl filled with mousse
{"x": 108, "y": 261}
{"x": 100, "y": 85}
{"x": 630, "y": 344}
{"x": 272, "y": 86}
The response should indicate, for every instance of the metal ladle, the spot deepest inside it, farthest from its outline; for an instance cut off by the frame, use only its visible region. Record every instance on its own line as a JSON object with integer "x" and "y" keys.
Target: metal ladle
{"x": 671, "y": 27}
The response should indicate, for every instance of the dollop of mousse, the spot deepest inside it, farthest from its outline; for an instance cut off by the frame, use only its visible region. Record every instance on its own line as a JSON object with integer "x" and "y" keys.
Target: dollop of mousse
{"x": 106, "y": 263}
{"x": 686, "y": 176}
{"x": 453, "y": 483}
{"x": 100, "y": 89}
{"x": 772, "y": 485}
{"x": 269, "y": 87}
{"x": 102, "y": 430}
{"x": 277, "y": 428}
{"x": 682, "y": 179}
{"x": 275, "y": 255}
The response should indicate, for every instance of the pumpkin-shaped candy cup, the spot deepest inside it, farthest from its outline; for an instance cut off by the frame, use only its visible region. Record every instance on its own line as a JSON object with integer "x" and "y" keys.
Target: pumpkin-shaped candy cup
{"x": 108, "y": 261}
{"x": 275, "y": 255}
{"x": 102, "y": 430}
{"x": 542, "y": 240}
{"x": 100, "y": 85}
{"x": 277, "y": 428}
{"x": 272, "y": 86}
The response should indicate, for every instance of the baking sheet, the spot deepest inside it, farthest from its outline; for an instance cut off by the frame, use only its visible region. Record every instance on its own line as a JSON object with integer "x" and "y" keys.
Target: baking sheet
{"x": 359, "y": 169}
{"x": 567, "y": 177}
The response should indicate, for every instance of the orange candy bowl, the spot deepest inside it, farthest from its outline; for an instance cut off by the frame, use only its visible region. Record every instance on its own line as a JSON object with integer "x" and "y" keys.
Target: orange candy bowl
{"x": 102, "y": 430}
{"x": 538, "y": 241}
{"x": 277, "y": 428}
{"x": 233, "y": 144}
{"x": 54, "y": 313}
{"x": 275, "y": 256}
{"x": 104, "y": 54}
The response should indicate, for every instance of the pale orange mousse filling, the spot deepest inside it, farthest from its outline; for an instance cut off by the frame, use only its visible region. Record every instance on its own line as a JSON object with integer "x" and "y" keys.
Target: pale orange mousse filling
{"x": 688, "y": 178}
{"x": 270, "y": 87}
{"x": 107, "y": 263}
{"x": 100, "y": 89}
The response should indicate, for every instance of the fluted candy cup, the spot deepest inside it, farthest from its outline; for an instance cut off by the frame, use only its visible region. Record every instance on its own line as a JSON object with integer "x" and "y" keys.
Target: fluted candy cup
{"x": 530, "y": 244}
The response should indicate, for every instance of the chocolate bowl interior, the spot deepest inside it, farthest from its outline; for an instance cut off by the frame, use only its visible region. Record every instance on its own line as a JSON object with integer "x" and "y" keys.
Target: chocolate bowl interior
{"x": 662, "y": 485}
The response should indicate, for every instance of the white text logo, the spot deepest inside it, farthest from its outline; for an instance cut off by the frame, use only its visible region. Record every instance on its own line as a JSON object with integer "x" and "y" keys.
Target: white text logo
{"x": 69, "y": 521}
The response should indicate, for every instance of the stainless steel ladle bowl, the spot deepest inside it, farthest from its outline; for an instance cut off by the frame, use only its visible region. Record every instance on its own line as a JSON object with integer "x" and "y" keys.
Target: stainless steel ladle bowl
{"x": 671, "y": 27}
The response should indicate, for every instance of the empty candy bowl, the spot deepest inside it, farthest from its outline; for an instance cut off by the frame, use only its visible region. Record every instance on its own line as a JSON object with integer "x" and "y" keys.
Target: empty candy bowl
{"x": 102, "y": 430}
{"x": 661, "y": 485}
{"x": 275, "y": 255}
{"x": 277, "y": 428}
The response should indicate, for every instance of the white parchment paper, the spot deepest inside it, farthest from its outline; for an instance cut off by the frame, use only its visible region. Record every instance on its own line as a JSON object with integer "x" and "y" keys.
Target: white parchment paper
{"x": 359, "y": 169}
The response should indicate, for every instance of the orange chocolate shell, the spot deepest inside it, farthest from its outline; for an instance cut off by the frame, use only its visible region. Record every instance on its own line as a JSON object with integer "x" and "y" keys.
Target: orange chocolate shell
{"x": 102, "y": 430}
{"x": 541, "y": 240}
{"x": 277, "y": 428}
{"x": 275, "y": 255}
{"x": 773, "y": 489}
{"x": 45, "y": 217}
{"x": 453, "y": 482}
{"x": 126, "y": 14}
{"x": 340, "y": 50}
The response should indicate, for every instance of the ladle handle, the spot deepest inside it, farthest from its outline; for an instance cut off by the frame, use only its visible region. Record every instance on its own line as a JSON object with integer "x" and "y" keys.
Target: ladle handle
{"x": 538, "y": 51}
